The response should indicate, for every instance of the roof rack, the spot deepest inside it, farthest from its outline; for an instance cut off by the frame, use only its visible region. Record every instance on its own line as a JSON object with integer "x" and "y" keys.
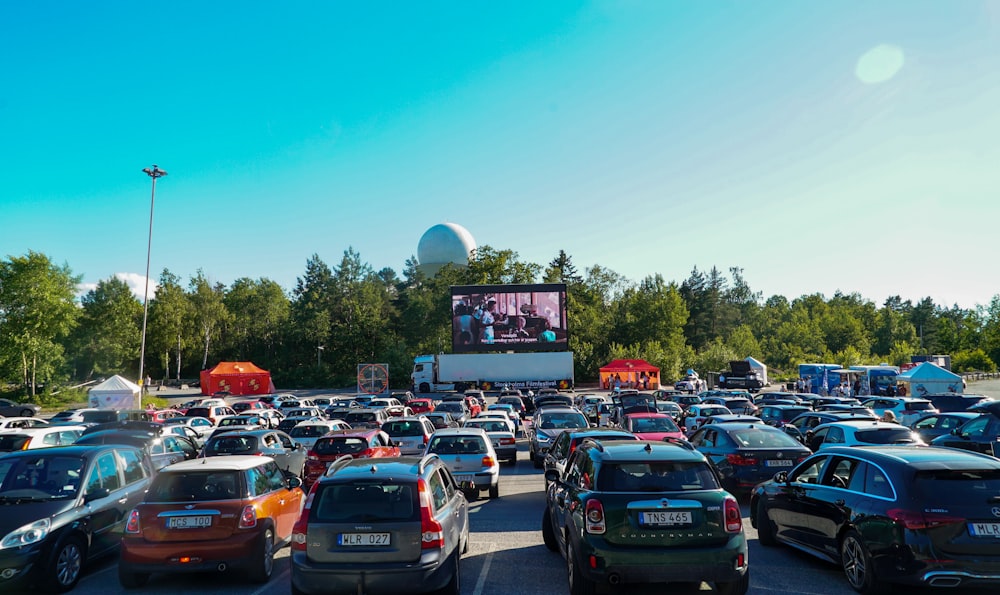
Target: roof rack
{"x": 678, "y": 442}
{"x": 427, "y": 459}
{"x": 336, "y": 465}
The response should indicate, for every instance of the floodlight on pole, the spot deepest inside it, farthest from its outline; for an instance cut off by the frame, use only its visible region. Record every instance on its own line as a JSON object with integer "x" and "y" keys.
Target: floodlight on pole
{"x": 153, "y": 172}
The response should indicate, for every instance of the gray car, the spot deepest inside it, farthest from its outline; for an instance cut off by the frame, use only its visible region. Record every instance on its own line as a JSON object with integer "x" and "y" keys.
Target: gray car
{"x": 400, "y": 526}
{"x": 10, "y": 408}
{"x": 287, "y": 453}
{"x": 546, "y": 425}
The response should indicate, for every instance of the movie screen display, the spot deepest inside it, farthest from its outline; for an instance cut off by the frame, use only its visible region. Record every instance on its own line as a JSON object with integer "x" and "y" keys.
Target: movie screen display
{"x": 509, "y": 318}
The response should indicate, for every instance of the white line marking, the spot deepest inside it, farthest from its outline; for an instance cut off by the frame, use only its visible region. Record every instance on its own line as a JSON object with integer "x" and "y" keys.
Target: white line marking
{"x": 482, "y": 573}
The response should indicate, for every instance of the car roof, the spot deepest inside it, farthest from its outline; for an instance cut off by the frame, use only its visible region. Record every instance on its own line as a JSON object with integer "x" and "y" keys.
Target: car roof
{"x": 460, "y": 432}
{"x": 731, "y": 426}
{"x": 646, "y": 414}
{"x": 228, "y": 463}
{"x": 388, "y": 467}
{"x": 77, "y": 450}
{"x": 920, "y": 457}
{"x": 560, "y": 409}
{"x": 42, "y": 430}
{"x": 366, "y": 432}
{"x": 862, "y": 424}
{"x": 643, "y": 449}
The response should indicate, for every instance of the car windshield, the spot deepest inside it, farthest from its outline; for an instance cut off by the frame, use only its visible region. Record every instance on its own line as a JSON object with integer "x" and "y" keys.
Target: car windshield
{"x": 552, "y": 421}
{"x": 195, "y": 485}
{"x": 654, "y": 424}
{"x": 655, "y": 476}
{"x": 884, "y": 435}
{"x": 42, "y": 477}
{"x": 308, "y": 431}
{"x": 385, "y": 501}
{"x": 457, "y": 445}
{"x": 343, "y": 445}
{"x": 360, "y": 417}
{"x": 404, "y": 428}
{"x": 760, "y": 438}
{"x": 231, "y": 445}
{"x": 488, "y": 426}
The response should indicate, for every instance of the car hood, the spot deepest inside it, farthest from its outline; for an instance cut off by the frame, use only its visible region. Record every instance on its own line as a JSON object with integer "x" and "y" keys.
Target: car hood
{"x": 550, "y": 434}
{"x": 17, "y": 513}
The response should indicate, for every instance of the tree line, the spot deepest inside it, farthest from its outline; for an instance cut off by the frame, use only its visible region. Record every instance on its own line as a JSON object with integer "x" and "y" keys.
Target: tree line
{"x": 339, "y": 316}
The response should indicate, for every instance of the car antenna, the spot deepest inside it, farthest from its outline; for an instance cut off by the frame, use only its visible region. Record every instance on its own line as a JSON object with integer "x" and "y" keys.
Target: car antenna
{"x": 648, "y": 448}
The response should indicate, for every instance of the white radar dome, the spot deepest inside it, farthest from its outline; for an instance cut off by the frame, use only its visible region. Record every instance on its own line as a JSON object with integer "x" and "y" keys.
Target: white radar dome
{"x": 445, "y": 243}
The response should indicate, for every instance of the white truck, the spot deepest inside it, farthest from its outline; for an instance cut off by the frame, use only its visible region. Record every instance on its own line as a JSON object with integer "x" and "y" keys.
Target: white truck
{"x": 488, "y": 371}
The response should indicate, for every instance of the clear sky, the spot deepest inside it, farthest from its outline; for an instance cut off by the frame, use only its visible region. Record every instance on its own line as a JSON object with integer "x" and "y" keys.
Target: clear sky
{"x": 820, "y": 146}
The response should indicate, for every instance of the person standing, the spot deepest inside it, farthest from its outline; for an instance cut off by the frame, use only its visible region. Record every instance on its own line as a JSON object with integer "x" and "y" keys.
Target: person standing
{"x": 487, "y": 320}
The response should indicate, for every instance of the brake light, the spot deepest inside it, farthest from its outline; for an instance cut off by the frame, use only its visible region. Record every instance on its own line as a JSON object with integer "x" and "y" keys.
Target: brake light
{"x": 426, "y": 439}
{"x": 916, "y": 520}
{"x": 132, "y": 526}
{"x": 738, "y": 460}
{"x": 594, "y": 517}
{"x": 507, "y": 441}
{"x": 26, "y": 443}
{"x": 248, "y": 518}
{"x": 301, "y": 525}
{"x": 432, "y": 534}
{"x": 488, "y": 461}
{"x": 734, "y": 520}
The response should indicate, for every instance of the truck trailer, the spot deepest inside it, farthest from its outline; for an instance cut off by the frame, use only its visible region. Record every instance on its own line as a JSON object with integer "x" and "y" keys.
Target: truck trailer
{"x": 489, "y": 371}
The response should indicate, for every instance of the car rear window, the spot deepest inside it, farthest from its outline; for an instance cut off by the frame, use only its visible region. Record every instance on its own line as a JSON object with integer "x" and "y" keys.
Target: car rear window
{"x": 654, "y": 424}
{"x": 306, "y": 431}
{"x": 100, "y": 417}
{"x": 357, "y": 417}
{"x": 232, "y": 445}
{"x": 760, "y": 438}
{"x": 195, "y": 485}
{"x": 884, "y": 435}
{"x": 457, "y": 445}
{"x": 12, "y": 442}
{"x": 386, "y": 501}
{"x": 344, "y": 445}
{"x": 551, "y": 421}
{"x": 918, "y": 405}
{"x": 948, "y": 488}
{"x": 655, "y": 476}
{"x": 489, "y": 426}
{"x": 403, "y": 428}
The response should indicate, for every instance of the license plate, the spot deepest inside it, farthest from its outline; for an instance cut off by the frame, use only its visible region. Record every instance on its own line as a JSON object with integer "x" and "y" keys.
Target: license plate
{"x": 778, "y": 463}
{"x": 985, "y": 529}
{"x": 363, "y": 539}
{"x": 461, "y": 478}
{"x": 189, "y": 522}
{"x": 665, "y": 518}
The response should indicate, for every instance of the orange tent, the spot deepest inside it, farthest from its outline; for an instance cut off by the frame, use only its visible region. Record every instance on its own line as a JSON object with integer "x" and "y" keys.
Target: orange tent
{"x": 236, "y": 378}
{"x": 633, "y": 373}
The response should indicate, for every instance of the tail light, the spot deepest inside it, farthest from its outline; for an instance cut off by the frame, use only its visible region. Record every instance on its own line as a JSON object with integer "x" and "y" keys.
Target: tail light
{"x": 132, "y": 526}
{"x": 594, "y": 517}
{"x": 301, "y": 525}
{"x": 738, "y": 460}
{"x": 734, "y": 520}
{"x": 426, "y": 439}
{"x": 488, "y": 461}
{"x": 915, "y": 520}
{"x": 507, "y": 441}
{"x": 432, "y": 534}
{"x": 248, "y": 518}
{"x": 311, "y": 455}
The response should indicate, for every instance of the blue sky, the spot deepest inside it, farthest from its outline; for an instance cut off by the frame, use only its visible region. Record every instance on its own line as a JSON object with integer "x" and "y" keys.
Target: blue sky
{"x": 847, "y": 146}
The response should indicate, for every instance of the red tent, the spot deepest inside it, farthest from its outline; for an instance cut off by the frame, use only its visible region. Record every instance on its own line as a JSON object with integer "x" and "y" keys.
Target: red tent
{"x": 633, "y": 373}
{"x": 236, "y": 378}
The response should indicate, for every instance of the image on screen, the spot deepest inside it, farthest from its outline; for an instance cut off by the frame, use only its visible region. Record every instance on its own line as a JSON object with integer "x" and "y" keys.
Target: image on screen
{"x": 509, "y": 317}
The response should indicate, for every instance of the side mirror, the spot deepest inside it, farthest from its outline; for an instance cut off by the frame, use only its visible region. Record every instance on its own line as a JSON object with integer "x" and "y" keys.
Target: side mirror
{"x": 293, "y": 482}
{"x": 551, "y": 475}
{"x": 781, "y": 477}
{"x": 96, "y": 495}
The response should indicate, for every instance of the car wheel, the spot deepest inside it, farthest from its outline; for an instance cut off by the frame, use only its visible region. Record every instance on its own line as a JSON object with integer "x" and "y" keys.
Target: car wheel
{"x": 495, "y": 492}
{"x": 65, "y": 565}
{"x": 27, "y": 413}
{"x": 424, "y": 387}
{"x": 548, "y": 533}
{"x": 536, "y": 461}
{"x": 578, "y": 584}
{"x": 454, "y": 586}
{"x": 765, "y": 528}
{"x": 263, "y": 564}
{"x": 737, "y": 587}
{"x": 857, "y": 563}
{"x": 131, "y": 580}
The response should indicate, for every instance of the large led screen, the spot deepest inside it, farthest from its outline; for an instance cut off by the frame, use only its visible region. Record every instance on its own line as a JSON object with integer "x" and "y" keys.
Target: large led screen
{"x": 509, "y": 318}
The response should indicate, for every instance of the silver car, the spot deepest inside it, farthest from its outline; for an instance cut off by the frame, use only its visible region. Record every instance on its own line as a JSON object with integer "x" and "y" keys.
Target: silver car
{"x": 469, "y": 454}
{"x": 410, "y": 434}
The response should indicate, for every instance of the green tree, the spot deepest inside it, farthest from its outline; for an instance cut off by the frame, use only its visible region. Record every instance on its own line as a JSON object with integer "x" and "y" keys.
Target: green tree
{"x": 170, "y": 327}
{"x": 259, "y": 314}
{"x": 209, "y": 309}
{"x": 107, "y": 339}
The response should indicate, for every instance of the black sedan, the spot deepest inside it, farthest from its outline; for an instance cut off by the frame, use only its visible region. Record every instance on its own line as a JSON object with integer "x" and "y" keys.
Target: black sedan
{"x": 889, "y": 514}
{"x": 938, "y": 424}
{"x": 10, "y": 408}
{"x": 747, "y": 453}
{"x": 980, "y": 434}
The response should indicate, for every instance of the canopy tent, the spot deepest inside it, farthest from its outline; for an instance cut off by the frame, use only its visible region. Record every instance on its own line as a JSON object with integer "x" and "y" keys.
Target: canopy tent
{"x": 236, "y": 378}
{"x": 633, "y": 373}
{"x": 930, "y": 379}
{"x": 115, "y": 393}
{"x": 760, "y": 368}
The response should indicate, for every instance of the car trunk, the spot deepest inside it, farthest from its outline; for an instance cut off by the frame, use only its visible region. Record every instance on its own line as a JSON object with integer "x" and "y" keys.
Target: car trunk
{"x": 666, "y": 519}
{"x": 196, "y": 506}
{"x": 364, "y": 523}
{"x": 968, "y": 501}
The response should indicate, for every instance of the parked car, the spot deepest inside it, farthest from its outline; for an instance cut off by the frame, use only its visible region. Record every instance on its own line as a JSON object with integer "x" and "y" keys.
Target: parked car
{"x": 244, "y": 406}
{"x": 805, "y": 422}
{"x": 213, "y": 413}
{"x": 286, "y": 424}
{"x": 546, "y": 424}
{"x": 906, "y": 409}
{"x": 458, "y": 410}
{"x": 566, "y": 443}
{"x": 69, "y": 416}
{"x": 624, "y": 513}
{"x": 859, "y": 433}
{"x": 10, "y": 408}
{"x": 239, "y": 422}
{"x": 952, "y": 403}
{"x": 738, "y": 405}
{"x": 161, "y": 450}
{"x": 71, "y": 501}
{"x": 223, "y": 513}
{"x": 364, "y": 443}
{"x": 652, "y": 426}
{"x": 747, "y": 453}
{"x": 888, "y": 514}
{"x": 43, "y": 437}
{"x": 517, "y": 403}
{"x": 507, "y": 410}
{"x": 695, "y": 415}
{"x": 400, "y": 526}
{"x": 421, "y": 406}
{"x": 500, "y": 433}
{"x": 8, "y": 424}
{"x": 931, "y": 426}
{"x": 308, "y": 432}
{"x": 469, "y": 455}
{"x": 675, "y": 411}
{"x": 366, "y": 418}
{"x": 269, "y": 443}
{"x": 410, "y": 434}
{"x": 441, "y": 420}
{"x": 979, "y": 434}
{"x": 197, "y": 438}
{"x": 779, "y": 415}
{"x": 162, "y": 415}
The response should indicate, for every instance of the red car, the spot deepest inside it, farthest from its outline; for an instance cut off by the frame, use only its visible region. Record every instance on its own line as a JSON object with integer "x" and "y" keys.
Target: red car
{"x": 357, "y": 443}
{"x": 474, "y": 407}
{"x": 652, "y": 426}
{"x": 420, "y": 406}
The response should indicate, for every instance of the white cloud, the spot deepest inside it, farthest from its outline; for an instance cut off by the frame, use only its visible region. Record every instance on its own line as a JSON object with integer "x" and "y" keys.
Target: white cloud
{"x": 879, "y": 64}
{"x": 135, "y": 281}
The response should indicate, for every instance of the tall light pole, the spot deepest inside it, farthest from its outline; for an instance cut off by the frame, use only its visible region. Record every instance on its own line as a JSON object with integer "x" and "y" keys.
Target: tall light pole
{"x": 154, "y": 172}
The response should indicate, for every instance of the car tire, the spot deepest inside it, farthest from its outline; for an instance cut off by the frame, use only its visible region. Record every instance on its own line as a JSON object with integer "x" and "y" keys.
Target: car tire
{"x": 536, "y": 462}
{"x": 765, "y": 527}
{"x": 578, "y": 584}
{"x": 857, "y": 565}
{"x": 454, "y": 586}
{"x": 737, "y": 587}
{"x": 548, "y": 533}
{"x": 65, "y": 565}
{"x": 263, "y": 562}
{"x": 425, "y": 388}
{"x": 27, "y": 413}
{"x": 494, "y": 492}
{"x": 131, "y": 580}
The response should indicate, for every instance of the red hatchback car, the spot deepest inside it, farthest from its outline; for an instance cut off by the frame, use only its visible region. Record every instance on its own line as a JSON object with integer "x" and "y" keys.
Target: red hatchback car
{"x": 652, "y": 426}
{"x": 420, "y": 406}
{"x": 361, "y": 443}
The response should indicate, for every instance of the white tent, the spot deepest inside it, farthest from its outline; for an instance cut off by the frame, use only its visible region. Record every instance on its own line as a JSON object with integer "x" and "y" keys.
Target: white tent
{"x": 929, "y": 379}
{"x": 760, "y": 368}
{"x": 115, "y": 393}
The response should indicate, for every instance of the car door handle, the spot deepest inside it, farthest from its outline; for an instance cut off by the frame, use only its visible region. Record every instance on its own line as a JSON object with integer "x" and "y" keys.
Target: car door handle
{"x": 123, "y": 499}
{"x": 838, "y": 502}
